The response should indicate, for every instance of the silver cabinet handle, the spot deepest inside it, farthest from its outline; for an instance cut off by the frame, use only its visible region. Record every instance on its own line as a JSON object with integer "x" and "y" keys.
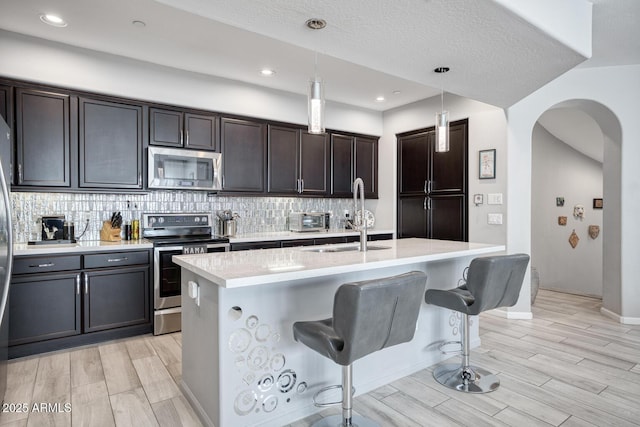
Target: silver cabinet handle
{"x": 428, "y": 203}
{"x": 424, "y": 204}
{"x": 117, "y": 259}
{"x": 187, "y": 138}
{"x": 429, "y": 186}
{"x": 181, "y": 137}
{"x": 48, "y": 264}
{"x": 19, "y": 173}
{"x": 140, "y": 179}
{"x": 302, "y": 185}
{"x": 424, "y": 189}
{"x": 77, "y": 284}
{"x": 86, "y": 284}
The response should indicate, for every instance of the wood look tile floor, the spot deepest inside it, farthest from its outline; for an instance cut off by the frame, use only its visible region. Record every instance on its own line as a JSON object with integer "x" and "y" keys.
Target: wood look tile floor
{"x": 569, "y": 366}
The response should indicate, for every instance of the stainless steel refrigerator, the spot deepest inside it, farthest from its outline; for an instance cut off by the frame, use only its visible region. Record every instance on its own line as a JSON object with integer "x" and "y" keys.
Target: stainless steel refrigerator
{"x": 6, "y": 251}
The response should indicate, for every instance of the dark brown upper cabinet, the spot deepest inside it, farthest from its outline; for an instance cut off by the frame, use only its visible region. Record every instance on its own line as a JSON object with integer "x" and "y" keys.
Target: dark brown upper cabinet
{"x": 110, "y": 144}
{"x": 283, "y": 154}
{"x": 366, "y": 164}
{"x": 5, "y": 104}
{"x": 342, "y": 171}
{"x": 44, "y": 137}
{"x": 297, "y": 161}
{"x": 432, "y": 187}
{"x": 314, "y": 164}
{"x": 178, "y": 128}
{"x": 244, "y": 155}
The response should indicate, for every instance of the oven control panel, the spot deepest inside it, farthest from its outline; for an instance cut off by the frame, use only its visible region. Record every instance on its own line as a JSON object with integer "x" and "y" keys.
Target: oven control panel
{"x": 175, "y": 224}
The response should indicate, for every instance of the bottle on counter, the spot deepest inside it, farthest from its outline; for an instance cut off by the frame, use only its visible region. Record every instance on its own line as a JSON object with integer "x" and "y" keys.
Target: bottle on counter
{"x": 135, "y": 229}
{"x": 127, "y": 231}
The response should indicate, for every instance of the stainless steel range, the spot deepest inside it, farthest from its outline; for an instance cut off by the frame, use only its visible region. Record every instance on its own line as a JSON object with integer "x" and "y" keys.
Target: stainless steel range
{"x": 175, "y": 234}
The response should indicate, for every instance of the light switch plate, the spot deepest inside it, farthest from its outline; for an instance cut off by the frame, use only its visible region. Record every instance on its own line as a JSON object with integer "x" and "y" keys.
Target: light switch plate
{"x": 494, "y": 198}
{"x": 494, "y": 218}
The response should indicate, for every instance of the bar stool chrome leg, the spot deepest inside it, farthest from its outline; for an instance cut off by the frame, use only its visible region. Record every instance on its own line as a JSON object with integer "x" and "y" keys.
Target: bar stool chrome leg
{"x": 465, "y": 377}
{"x": 347, "y": 419}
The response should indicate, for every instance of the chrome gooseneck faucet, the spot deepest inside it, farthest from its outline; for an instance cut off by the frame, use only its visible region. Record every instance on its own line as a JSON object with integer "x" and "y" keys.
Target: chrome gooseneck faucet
{"x": 358, "y": 184}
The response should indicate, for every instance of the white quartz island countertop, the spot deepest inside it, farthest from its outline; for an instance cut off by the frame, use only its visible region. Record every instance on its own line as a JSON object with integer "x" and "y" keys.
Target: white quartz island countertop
{"x": 264, "y": 266}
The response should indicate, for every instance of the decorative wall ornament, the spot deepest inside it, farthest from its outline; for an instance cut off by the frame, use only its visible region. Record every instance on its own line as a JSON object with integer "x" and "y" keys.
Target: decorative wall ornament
{"x": 597, "y": 204}
{"x": 578, "y": 212}
{"x": 562, "y": 220}
{"x": 594, "y": 231}
{"x": 574, "y": 239}
{"x": 560, "y": 201}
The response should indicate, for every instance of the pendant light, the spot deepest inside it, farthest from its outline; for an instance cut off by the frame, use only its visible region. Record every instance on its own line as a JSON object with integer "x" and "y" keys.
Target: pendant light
{"x": 442, "y": 119}
{"x": 316, "y": 102}
{"x": 315, "y": 94}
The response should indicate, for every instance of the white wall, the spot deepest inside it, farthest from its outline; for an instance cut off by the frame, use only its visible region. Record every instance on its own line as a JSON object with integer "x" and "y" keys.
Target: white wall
{"x": 612, "y": 97}
{"x": 561, "y": 171}
{"x": 38, "y": 60}
{"x": 487, "y": 129}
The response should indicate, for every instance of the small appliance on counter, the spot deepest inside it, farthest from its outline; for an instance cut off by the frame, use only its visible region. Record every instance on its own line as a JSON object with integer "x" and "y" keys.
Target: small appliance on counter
{"x": 227, "y": 224}
{"x": 55, "y": 229}
{"x": 309, "y": 221}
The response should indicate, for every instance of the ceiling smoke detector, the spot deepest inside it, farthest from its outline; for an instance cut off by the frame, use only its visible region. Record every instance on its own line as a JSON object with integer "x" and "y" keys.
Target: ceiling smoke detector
{"x": 316, "y": 23}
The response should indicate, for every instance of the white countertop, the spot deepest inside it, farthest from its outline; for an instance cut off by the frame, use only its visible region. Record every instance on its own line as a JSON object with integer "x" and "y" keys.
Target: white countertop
{"x": 263, "y": 266}
{"x": 21, "y": 249}
{"x": 292, "y": 235}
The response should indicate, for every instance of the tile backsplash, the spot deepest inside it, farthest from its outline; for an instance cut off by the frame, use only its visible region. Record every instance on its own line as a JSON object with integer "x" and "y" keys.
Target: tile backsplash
{"x": 257, "y": 214}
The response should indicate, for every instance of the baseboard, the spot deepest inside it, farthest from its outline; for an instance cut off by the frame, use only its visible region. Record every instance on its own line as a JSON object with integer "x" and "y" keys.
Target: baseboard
{"x": 197, "y": 408}
{"x": 620, "y": 319}
{"x": 514, "y": 315}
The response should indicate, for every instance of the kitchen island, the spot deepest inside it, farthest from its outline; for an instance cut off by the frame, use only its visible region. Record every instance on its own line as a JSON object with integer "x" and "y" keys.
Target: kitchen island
{"x": 240, "y": 364}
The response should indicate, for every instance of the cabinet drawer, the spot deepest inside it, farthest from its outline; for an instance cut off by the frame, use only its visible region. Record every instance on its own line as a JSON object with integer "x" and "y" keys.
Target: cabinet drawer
{"x": 41, "y": 264}
{"x": 116, "y": 259}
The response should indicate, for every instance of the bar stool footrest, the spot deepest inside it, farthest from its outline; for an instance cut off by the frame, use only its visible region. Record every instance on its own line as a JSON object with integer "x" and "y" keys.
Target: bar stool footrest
{"x": 325, "y": 389}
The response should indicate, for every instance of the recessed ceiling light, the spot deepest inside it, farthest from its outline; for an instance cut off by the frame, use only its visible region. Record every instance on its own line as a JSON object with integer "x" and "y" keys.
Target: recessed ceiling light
{"x": 316, "y": 23}
{"x": 52, "y": 20}
{"x": 397, "y": 92}
{"x": 380, "y": 98}
{"x": 267, "y": 72}
{"x": 138, "y": 24}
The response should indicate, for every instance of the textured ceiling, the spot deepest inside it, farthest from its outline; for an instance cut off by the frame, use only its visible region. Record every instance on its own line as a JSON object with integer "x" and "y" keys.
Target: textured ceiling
{"x": 369, "y": 48}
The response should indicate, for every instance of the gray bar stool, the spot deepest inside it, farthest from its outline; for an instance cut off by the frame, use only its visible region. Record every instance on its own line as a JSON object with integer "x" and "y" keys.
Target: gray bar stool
{"x": 367, "y": 316}
{"x": 492, "y": 282}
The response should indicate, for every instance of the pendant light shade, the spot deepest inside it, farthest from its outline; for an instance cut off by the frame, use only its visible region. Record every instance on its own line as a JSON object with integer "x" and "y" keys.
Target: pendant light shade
{"x": 442, "y": 132}
{"x": 316, "y": 106}
{"x": 442, "y": 120}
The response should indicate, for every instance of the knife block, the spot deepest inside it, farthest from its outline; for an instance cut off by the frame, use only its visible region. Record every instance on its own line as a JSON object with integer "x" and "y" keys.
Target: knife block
{"x": 108, "y": 233}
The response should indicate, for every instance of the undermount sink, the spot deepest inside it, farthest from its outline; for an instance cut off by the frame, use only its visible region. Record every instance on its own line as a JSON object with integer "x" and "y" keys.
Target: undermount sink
{"x": 344, "y": 248}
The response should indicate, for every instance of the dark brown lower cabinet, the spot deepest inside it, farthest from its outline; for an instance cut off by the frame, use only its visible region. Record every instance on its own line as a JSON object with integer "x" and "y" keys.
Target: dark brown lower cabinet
{"x": 68, "y": 300}
{"x": 44, "y": 307}
{"x": 116, "y": 298}
{"x": 436, "y": 217}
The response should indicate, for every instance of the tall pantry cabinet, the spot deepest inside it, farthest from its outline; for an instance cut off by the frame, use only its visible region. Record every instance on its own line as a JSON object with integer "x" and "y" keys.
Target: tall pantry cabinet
{"x": 432, "y": 187}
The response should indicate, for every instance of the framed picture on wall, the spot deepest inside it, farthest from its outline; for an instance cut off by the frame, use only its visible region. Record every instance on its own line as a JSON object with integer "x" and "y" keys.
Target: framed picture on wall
{"x": 597, "y": 204}
{"x": 487, "y": 168}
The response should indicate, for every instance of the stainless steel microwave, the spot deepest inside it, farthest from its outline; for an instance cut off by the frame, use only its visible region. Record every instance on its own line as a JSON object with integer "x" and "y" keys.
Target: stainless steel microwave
{"x": 308, "y": 221}
{"x": 177, "y": 168}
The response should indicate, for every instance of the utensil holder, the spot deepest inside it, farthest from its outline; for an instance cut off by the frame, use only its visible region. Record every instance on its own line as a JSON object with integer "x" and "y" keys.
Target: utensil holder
{"x": 108, "y": 233}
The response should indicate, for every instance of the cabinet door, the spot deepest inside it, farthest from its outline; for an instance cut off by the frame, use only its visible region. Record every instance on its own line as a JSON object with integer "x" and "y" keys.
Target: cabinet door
{"x": 314, "y": 159}
{"x": 44, "y": 306}
{"x": 201, "y": 132}
{"x": 413, "y": 154}
{"x": 110, "y": 144}
{"x": 115, "y": 298}
{"x": 166, "y": 127}
{"x": 412, "y": 216}
{"x": 243, "y": 155}
{"x": 342, "y": 165}
{"x": 5, "y": 104}
{"x": 447, "y": 219}
{"x": 366, "y": 165}
{"x": 449, "y": 169}
{"x": 43, "y": 138}
{"x": 283, "y": 152}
